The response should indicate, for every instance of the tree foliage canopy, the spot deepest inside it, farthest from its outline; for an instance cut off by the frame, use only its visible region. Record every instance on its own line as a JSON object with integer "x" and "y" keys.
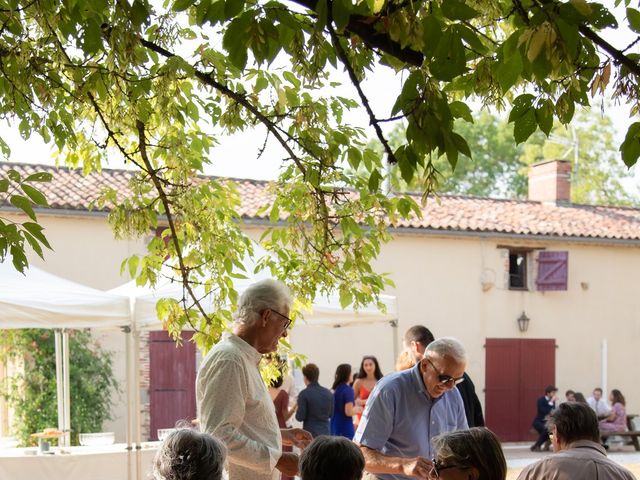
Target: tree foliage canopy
{"x": 499, "y": 168}
{"x": 158, "y": 84}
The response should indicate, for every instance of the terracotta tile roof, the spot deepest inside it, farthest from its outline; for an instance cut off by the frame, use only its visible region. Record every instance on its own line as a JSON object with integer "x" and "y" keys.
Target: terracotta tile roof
{"x": 70, "y": 190}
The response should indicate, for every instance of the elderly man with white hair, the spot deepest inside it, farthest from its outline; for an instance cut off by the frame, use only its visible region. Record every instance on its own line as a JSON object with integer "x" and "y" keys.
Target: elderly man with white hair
{"x": 408, "y": 408}
{"x": 233, "y": 401}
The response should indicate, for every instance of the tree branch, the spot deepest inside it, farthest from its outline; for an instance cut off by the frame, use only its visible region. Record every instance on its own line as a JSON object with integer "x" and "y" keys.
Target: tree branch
{"x": 207, "y": 79}
{"x": 365, "y": 29}
{"x": 363, "y": 98}
{"x": 167, "y": 210}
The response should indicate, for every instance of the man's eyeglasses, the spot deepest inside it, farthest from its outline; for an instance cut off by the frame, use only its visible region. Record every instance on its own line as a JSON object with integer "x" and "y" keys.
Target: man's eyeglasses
{"x": 445, "y": 379}
{"x": 288, "y": 320}
{"x": 437, "y": 467}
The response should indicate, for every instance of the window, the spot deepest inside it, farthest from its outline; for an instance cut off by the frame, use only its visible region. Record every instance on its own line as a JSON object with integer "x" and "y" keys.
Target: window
{"x": 518, "y": 269}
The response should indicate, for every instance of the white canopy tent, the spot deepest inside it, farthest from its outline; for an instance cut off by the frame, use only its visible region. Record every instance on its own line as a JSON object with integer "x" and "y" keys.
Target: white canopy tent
{"x": 39, "y": 299}
{"x": 325, "y": 311}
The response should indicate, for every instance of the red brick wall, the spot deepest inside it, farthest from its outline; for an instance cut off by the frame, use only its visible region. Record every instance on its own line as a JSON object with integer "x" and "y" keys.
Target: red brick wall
{"x": 550, "y": 181}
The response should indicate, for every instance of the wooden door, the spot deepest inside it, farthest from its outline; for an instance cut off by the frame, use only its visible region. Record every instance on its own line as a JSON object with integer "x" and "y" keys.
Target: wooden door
{"x": 172, "y": 372}
{"x": 517, "y": 372}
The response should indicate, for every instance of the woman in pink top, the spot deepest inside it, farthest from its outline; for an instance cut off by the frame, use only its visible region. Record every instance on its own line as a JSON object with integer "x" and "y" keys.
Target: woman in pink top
{"x": 617, "y": 419}
{"x": 366, "y": 379}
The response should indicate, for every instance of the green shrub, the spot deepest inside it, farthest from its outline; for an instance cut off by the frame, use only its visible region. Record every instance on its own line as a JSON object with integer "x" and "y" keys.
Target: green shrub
{"x": 32, "y": 392}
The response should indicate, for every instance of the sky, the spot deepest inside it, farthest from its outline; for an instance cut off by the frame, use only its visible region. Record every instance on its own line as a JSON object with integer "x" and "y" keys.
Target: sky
{"x": 237, "y": 155}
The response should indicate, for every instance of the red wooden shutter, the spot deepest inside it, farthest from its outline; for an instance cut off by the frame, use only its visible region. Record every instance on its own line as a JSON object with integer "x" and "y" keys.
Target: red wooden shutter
{"x": 553, "y": 268}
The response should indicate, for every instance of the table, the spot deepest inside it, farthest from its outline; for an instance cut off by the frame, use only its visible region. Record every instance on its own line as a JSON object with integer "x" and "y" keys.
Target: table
{"x": 109, "y": 462}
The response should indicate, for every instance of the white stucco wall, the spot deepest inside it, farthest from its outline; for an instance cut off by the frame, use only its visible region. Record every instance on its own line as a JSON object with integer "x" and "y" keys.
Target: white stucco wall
{"x": 439, "y": 283}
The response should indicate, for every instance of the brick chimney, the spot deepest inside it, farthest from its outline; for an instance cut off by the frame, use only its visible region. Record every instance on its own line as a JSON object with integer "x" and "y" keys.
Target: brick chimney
{"x": 550, "y": 181}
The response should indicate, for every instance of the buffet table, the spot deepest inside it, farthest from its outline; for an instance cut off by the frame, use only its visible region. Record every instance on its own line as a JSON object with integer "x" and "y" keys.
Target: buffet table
{"x": 109, "y": 462}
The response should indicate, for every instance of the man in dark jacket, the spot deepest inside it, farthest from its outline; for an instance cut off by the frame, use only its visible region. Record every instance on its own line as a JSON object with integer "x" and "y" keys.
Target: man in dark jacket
{"x": 416, "y": 340}
{"x": 315, "y": 403}
{"x": 546, "y": 404}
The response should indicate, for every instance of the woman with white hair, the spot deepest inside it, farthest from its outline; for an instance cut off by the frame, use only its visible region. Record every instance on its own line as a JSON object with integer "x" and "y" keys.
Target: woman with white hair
{"x": 189, "y": 455}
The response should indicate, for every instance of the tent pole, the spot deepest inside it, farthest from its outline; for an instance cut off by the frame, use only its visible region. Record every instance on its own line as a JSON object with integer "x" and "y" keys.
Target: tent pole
{"x": 129, "y": 367}
{"x": 59, "y": 379}
{"x": 67, "y": 388}
{"x": 136, "y": 397}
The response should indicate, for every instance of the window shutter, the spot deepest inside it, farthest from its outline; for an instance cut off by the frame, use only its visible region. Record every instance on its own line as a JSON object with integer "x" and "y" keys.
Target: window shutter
{"x": 553, "y": 268}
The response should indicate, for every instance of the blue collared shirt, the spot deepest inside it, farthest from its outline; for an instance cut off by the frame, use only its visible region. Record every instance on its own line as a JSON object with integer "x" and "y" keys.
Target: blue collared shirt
{"x": 400, "y": 418}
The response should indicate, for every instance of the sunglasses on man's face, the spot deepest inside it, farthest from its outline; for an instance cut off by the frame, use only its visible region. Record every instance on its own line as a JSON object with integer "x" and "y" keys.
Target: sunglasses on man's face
{"x": 445, "y": 379}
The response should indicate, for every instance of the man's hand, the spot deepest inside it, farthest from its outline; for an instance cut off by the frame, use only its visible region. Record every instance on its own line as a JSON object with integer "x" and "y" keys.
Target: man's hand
{"x": 288, "y": 464}
{"x": 418, "y": 467}
{"x": 296, "y": 436}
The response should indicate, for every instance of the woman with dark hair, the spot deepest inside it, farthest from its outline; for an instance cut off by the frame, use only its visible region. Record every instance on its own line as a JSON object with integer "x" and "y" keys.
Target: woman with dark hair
{"x": 617, "y": 419}
{"x": 366, "y": 379}
{"x": 331, "y": 458}
{"x": 343, "y": 403}
{"x": 580, "y": 397}
{"x": 475, "y": 453}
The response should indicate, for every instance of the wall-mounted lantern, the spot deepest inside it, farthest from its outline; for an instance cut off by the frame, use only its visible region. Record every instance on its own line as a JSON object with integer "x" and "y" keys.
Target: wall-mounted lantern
{"x": 523, "y": 322}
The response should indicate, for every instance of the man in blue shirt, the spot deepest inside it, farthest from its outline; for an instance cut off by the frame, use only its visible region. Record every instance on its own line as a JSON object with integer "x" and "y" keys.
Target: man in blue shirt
{"x": 315, "y": 403}
{"x": 407, "y": 409}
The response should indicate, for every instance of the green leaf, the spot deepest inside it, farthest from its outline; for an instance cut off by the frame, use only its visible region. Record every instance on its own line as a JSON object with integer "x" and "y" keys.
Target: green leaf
{"x": 461, "y": 144}
{"x": 374, "y": 181}
{"x": 525, "y": 125}
{"x": 181, "y": 5}
{"x": 274, "y": 214}
{"x": 233, "y": 8}
{"x": 346, "y": 298}
{"x": 570, "y": 35}
{"x": 508, "y": 71}
{"x": 521, "y": 105}
{"x": 472, "y": 39}
{"x": 35, "y": 195}
{"x": 544, "y": 116}
{"x": 341, "y": 13}
{"x": 458, "y": 10}
{"x": 461, "y": 110}
{"x": 39, "y": 177}
{"x": 236, "y": 38}
{"x": 13, "y": 175}
{"x": 133, "y": 263}
{"x": 431, "y": 32}
{"x": 630, "y": 148}
{"x": 19, "y": 259}
{"x": 34, "y": 244}
{"x": 36, "y": 230}
{"x": 23, "y": 204}
{"x": 449, "y": 57}
{"x": 4, "y": 185}
{"x": 633, "y": 16}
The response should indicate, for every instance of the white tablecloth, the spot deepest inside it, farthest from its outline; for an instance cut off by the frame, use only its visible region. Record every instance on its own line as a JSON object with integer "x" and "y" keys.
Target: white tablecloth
{"x": 109, "y": 462}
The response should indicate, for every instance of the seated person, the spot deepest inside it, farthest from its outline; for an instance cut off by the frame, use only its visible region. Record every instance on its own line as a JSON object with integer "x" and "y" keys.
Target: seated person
{"x": 475, "y": 454}
{"x": 616, "y": 421}
{"x": 578, "y": 453}
{"x": 189, "y": 455}
{"x": 331, "y": 458}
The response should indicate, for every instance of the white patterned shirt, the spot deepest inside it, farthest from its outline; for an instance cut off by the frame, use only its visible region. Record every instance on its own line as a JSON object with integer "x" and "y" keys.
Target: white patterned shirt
{"x": 235, "y": 406}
